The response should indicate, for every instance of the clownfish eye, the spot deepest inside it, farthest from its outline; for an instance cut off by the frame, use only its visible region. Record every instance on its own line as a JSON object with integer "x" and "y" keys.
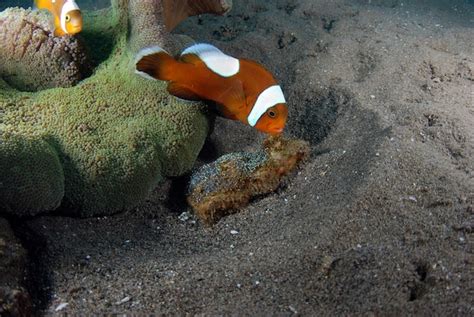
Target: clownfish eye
{"x": 68, "y": 18}
{"x": 271, "y": 113}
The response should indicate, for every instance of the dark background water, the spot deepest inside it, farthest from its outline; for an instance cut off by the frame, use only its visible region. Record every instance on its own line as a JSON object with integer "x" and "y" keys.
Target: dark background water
{"x": 85, "y": 4}
{"x": 98, "y": 4}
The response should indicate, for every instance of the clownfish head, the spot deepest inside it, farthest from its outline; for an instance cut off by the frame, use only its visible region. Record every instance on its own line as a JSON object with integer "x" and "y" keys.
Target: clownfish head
{"x": 71, "y": 18}
{"x": 73, "y": 22}
{"x": 273, "y": 120}
{"x": 269, "y": 113}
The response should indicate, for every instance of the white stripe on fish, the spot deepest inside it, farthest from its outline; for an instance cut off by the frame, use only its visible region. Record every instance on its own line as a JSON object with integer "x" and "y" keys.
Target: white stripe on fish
{"x": 220, "y": 63}
{"x": 68, "y": 6}
{"x": 268, "y": 98}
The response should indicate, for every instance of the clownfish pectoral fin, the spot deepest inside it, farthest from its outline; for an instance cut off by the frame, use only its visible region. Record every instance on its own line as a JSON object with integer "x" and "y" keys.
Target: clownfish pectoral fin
{"x": 231, "y": 101}
{"x": 59, "y": 32}
{"x": 233, "y": 96}
{"x": 155, "y": 63}
{"x": 182, "y": 92}
{"x": 223, "y": 111}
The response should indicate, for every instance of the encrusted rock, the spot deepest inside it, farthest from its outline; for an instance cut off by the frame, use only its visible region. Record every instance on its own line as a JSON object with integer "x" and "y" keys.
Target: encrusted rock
{"x": 231, "y": 181}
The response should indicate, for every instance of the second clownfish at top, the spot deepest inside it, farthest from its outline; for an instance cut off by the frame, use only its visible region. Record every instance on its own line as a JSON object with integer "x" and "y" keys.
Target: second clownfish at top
{"x": 242, "y": 89}
{"x": 67, "y": 15}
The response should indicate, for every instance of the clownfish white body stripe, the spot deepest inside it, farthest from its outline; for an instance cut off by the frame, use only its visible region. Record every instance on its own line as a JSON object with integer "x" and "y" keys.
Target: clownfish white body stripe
{"x": 214, "y": 59}
{"x": 242, "y": 89}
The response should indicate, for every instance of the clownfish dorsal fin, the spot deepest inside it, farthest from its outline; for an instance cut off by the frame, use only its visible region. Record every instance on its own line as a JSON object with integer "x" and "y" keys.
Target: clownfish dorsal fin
{"x": 218, "y": 62}
{"x": 182, "y": 92}
{"x": 44, "y": 4}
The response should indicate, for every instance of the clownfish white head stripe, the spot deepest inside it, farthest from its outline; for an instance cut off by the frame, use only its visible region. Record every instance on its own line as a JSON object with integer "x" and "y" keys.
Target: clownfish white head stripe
{"x": 69, "y": 5}
{"x": 218, "y": 62}
{"x": 268, "y": 98}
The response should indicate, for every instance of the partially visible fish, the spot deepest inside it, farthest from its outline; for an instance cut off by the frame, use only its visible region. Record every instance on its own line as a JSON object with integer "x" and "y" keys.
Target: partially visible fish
{"x": 67, "y": 15}
{"x": 243, "y": 89}
{"x": 175, "y": 11}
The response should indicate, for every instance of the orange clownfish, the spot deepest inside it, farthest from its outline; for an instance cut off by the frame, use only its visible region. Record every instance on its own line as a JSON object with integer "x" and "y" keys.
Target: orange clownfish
{"x": 67, "y": 15}
{"x": 242, "y": 89}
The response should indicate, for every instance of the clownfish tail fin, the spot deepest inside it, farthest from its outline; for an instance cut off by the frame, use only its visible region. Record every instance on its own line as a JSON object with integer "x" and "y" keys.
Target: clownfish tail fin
{"x": 155, "y": 63}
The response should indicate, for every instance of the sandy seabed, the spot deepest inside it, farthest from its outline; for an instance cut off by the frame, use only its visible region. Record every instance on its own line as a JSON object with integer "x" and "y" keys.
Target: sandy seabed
{"x": 379, "y": 220}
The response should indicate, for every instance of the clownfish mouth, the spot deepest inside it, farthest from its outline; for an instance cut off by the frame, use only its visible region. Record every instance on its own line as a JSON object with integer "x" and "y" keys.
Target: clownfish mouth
{"x": 276, "y": 130}
{"x": 76, "y": 29}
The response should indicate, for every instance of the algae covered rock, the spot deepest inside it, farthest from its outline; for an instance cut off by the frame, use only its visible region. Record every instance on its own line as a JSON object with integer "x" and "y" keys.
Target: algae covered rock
{"x": 31, "y": 58}
{"x": 32, "y": 176}
{"x": 232, "y": 180}
{"x": 102, "y": 145}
